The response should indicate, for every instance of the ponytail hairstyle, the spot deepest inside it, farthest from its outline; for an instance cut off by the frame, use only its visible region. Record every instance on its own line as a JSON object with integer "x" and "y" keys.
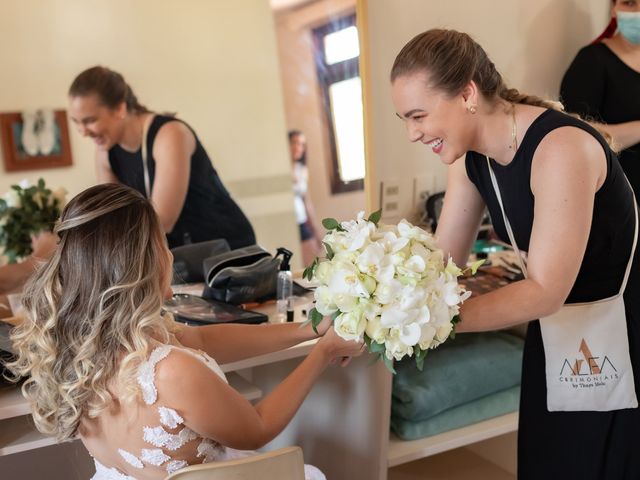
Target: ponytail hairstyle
{"x": 609, "y": 30}
{"x": 453, "y": 59}
{"x": 92, "y": 312}
{"x": 109, "y": 86}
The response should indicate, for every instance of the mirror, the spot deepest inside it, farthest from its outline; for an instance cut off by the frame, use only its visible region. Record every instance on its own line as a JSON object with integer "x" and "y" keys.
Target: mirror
{"x": 217, "y": 64}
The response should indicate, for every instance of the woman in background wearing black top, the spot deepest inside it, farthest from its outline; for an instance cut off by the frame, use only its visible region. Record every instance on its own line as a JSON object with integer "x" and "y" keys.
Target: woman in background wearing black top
{"x": 191, "y": 202}
{"x": 603, "y": 84}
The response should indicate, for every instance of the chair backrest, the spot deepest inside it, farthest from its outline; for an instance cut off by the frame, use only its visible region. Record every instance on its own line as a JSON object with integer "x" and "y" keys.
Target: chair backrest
{"x": 283, "y": 464}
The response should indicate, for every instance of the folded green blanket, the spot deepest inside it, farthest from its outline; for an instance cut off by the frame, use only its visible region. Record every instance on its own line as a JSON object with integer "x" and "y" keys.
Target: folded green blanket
{"x": 484, "y": 408}
{"x": 471, "y": 366}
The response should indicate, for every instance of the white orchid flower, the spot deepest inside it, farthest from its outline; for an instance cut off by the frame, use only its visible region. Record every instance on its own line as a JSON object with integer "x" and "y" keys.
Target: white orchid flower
{"x": 396, "y": 348}
{"x": 24, "y": 183}
{"x": 393, "y": 243}
{"x": 411, "y": 298}
{"x": 407, "y": 230}
{"x": 388, "y": 291}
{"x": 345, "y": 279}
{"x": 369, "y": 261}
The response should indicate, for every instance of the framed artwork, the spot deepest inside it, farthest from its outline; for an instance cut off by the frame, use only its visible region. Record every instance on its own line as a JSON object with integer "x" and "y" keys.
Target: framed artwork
{"x": 35, "y": 140}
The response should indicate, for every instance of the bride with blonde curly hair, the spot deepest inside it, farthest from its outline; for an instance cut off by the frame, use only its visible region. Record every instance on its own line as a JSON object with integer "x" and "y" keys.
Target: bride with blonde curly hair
{"x": 142, "y": 392}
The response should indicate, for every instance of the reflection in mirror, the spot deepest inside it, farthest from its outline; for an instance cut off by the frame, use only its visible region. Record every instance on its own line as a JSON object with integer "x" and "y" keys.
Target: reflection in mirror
{"x": 192, "y": 59}
{"x": 319, "y": 61}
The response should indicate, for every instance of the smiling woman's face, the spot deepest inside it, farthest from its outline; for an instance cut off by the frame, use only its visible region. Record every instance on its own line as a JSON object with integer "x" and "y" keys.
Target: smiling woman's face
{"x": 102, "y": 124}
{"x": 433, "y": 117}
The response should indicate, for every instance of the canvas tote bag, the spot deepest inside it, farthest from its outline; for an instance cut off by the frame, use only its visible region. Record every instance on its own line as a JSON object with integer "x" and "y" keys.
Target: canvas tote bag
{"x": 587, "y": 362}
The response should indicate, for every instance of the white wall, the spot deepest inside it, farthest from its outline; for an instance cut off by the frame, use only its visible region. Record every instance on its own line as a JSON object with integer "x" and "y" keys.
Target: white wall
{"x": 303, "y": 102}
{"x": 530, "y": 42}
{"x": 214, "y": 62}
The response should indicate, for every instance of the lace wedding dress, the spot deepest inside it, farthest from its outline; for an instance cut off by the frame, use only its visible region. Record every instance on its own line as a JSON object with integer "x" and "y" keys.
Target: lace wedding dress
{"x": 169, "y": 435}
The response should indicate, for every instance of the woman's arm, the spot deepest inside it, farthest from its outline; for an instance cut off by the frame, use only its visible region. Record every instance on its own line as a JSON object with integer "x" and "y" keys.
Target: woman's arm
{"x": 461, "y": 214}
{"x": 230, "y": 343}
{"x": 583, "y": 91}
{"x": 623, "y": 135}
{"x": 172, "y": 149}
{"x": 568, "y": 168}
{"x": 104, "y": 174}
{"x": 213, "y": 409}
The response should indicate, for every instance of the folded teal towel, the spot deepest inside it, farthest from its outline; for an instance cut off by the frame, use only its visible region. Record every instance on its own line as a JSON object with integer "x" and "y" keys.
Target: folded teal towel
{"x": 484, "y": 408}
{"x": 471, "y": 366}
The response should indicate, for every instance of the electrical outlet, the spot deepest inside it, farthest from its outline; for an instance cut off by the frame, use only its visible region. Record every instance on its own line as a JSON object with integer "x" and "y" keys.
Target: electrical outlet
{"x": 390, "y": 197}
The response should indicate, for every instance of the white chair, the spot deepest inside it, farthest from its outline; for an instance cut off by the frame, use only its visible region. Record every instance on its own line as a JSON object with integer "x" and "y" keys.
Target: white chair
{"x": 283, "y": 464}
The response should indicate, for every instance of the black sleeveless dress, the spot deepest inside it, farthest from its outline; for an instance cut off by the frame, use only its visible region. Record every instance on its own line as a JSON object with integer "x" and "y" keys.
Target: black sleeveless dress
{"x": 572, "y": 445}
{"x": 208, "y": 213}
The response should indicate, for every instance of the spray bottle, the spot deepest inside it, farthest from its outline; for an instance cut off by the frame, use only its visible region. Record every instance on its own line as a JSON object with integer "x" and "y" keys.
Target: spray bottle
{"x": 284, "y": 289}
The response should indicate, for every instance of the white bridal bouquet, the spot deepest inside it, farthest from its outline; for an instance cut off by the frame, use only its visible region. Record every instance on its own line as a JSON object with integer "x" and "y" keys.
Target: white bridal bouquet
{"x": 388, "y": 285}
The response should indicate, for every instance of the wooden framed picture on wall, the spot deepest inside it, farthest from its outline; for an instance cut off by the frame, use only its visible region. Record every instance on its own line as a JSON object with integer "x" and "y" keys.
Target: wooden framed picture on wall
{"x": 35, "y": 140}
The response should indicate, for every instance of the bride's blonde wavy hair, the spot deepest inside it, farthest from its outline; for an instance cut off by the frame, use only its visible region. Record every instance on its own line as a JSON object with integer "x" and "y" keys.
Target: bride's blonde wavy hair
{"x": 93, "y": 310}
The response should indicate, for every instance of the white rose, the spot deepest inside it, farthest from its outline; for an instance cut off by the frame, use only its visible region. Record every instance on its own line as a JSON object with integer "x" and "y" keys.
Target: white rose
{"x": 442, "y": 333}
{"x": 323, "y": 272}
{"x": 325, "y": 303}
{"x": 376, "y": 331}
{"x": 351, "y": 325}
{"x": 427, "y": 334}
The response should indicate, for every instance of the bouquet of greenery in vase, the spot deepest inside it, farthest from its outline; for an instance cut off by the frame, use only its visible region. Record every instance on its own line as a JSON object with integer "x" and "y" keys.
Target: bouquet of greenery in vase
{"x": 26, "y": 210}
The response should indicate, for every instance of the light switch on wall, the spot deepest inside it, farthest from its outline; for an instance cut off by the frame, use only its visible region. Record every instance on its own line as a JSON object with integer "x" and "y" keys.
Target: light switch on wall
{"x": 390, "y": 197}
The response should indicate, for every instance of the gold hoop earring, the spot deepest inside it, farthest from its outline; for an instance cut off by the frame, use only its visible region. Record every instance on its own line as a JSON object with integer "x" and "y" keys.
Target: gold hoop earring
{"x": 472, "y": 109}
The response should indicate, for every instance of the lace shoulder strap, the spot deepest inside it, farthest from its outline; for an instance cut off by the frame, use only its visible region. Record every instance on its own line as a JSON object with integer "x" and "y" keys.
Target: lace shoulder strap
{"x": 147, "y": 374}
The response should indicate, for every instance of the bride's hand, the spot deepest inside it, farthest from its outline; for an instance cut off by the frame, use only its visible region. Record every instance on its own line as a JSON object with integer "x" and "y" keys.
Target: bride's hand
{"x": 339, "y": 350}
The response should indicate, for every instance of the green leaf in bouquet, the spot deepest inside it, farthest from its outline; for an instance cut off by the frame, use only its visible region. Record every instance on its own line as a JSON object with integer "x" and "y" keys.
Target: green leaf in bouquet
{"x": 420, "y": 356}
{"x": 367, "y": 341}
{"x": 330, "y": 223}
{"x": 388, "y": 363}
{"x": 316, "y": 317}
{"x": 375, "y": 217}
{"x": 376, "y": 347}
{"x": 455, "y": 320}
{"x": 330, "y": 253}
{"x": 335, "y": 315}
{"x": 475, "y": 265}
{"x": 310, "y": 271}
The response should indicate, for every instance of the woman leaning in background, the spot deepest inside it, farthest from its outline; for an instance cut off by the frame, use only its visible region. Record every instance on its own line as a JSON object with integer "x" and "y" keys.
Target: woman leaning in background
{"x": 603, "y": 84}
{"x": 158, "y": 155}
